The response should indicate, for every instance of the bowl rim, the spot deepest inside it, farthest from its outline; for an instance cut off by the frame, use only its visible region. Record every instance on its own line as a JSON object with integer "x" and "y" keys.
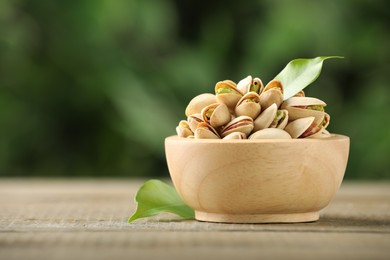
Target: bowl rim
{"x": 333, "y": 137}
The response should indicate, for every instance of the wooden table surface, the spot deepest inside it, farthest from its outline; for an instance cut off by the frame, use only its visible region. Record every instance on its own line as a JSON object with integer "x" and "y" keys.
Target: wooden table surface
{"x": 87, "y": 219}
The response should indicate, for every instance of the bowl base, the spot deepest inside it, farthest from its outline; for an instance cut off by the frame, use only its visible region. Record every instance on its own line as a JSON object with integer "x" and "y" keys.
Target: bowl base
{"x": 257, "y": 218}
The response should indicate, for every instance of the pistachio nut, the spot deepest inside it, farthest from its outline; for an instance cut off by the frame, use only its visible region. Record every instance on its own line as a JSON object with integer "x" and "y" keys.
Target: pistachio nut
{"x": 206, "y": 131}
{"x": 307, "y": 126}
{"x": 321, "y": 134}
{"x": 227, "y": 93}
{"x": 296, "y": 113}
{"x": 317, "y": 126}
{"x": 248, "y": 84}
{"x": 297, "y": 127}
{"x": 243, "y": 124}
{"x": 270, "y": 133}
{"x": 299, "y": 107}
{"x": 183, "y": 129}
{"x": 235, "y": 135}
{"x": 216, "y": 114}
{"x": 265, "y": 119}
{"x": 194, "y": 120}
{"x": 199, "y": 102}
{"x": 280, "y": 120}
{"x": 304, "y": 103}
{"x": 272, "y": 93}
{"x": 300, "y": 94}
{"x": 248, "y": 105}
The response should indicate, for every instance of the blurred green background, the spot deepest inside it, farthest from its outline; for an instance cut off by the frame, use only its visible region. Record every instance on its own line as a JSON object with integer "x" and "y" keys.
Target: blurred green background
{"x": 92, "y": 88}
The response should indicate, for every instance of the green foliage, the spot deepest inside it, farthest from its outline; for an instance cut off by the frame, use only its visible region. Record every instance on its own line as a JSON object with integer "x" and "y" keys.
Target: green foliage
{"x": 155, "y": 197}
{"x": 92, "y": 88}
{"x": 299, "y": 73}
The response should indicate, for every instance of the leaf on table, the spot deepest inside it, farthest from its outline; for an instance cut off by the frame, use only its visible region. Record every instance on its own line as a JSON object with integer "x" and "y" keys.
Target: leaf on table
{"x": 300, "y": 73}
{"x": 155, "y": 197}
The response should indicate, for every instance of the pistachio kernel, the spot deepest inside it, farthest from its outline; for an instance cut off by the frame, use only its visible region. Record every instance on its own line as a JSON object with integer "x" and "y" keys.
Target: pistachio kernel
{"x": 279, "y": 116}
{"x": 316, "y": 107}
{"x": 248, "y": 100}
{"x": 324, "y": 122}
{"x": 254, "y": 87}
{"x": 210, "y": 112}
{"x": 224, "y": 90}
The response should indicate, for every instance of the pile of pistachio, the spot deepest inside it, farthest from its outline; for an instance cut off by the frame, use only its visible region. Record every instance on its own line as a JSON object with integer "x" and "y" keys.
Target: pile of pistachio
{"x": 248, "y": 110}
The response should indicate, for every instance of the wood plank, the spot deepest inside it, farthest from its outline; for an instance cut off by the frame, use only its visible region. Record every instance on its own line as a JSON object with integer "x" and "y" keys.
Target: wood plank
{"x": 58, "y": 219}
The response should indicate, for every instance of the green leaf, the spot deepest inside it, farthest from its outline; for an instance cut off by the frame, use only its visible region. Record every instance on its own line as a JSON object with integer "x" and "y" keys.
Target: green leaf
{"x": 155, "y": 197}
{"x": 300, "y": 73}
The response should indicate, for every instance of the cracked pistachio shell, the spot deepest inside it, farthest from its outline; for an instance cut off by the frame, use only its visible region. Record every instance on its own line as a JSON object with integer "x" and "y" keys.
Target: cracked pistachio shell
{"x": 243, "y": 124}
{"x": 199, "y": 102}
{"x": 317, "y": 126}
{"x": 300, "y": 94}
{"x": 297, "y": 127}
{"x": 206, "y": 131}
{"x": 194, "y": 120}
{"x": 235, "y": 135}
{"x": 249, "y": 105}
{"x": 183, "y": 129}
{"x": 249, "y": 84}
{"x": 272, "y": 93}
{"x": 296, "y": 113}
{"x": 227, "y": 93}
{"x": 299, "y": 107}
{"x": 326, "y": 121}
{"x": 216, "y": 114}
{"x": 281, "y": 119}
{"x": 302, "y": 102}
{"x": 270, "y": 133}
{"x": 265, "y": 119}
{"x": 257, "y": 86}
{"x": 321, "y": 134}
{"x": 307, "y": 126}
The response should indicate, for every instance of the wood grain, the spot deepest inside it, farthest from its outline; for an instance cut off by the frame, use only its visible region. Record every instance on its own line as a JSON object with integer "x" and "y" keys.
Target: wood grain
{"x": 86, "y": 219}
{"x": 255, "y": 181}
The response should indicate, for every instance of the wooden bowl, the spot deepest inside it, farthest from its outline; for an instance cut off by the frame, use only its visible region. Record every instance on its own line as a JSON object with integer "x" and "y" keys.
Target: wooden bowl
{"x": 257, "y": 181}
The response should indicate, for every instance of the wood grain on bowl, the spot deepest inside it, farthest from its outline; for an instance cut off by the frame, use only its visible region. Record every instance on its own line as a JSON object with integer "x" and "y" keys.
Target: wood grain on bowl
{"x": 257, "y": 181}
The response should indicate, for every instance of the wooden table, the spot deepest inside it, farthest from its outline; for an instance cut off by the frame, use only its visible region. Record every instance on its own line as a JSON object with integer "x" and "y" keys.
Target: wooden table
{"x": 87, "y": 219}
